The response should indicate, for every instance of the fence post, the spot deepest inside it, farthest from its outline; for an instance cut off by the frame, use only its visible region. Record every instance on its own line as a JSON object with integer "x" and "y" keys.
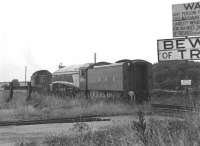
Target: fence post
{"x": 10, "y": 92}
{"x": 29, "y": 91}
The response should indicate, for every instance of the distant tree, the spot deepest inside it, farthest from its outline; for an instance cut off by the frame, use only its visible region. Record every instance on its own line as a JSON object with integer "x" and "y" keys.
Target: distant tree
{"x": 15, "y": 82}
{"x": 4, "y": 86}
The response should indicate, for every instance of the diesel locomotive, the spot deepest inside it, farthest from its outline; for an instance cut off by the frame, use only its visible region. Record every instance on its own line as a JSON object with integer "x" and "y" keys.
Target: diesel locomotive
{"x": 93, "y": 80}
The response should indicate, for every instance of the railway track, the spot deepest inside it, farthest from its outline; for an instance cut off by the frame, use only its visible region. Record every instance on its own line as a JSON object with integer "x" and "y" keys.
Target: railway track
{"x": 160, "y": 108}
{"x": 174, "y": 108}
{"x": 92, "y": 118}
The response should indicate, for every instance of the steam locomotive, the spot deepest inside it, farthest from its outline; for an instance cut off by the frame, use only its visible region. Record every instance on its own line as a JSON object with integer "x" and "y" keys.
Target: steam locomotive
{"x": 122, "y": 79}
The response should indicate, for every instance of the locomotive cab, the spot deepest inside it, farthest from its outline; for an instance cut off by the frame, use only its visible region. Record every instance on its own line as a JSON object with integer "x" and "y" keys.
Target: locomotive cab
{"x": 82, "y": 78}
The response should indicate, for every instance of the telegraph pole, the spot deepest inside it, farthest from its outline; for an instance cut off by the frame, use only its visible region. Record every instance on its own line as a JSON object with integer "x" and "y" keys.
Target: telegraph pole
{"x": 25, "y": 73}
{"x": 95, "y": 58}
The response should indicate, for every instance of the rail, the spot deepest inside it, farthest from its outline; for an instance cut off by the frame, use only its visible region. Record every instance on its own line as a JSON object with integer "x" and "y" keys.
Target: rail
{"x": 56, "y": 120}
{"x": 177, "y": 108}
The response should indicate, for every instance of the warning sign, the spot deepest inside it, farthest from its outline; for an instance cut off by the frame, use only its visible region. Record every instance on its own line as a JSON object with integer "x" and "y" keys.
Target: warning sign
{"x": 179, "y": 49}
{"x": 186, "y": 19}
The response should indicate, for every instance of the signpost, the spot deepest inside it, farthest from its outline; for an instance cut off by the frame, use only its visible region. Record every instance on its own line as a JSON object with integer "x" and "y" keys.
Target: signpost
{"x": 186, "y": 19}
{"x": 179, "y": 49}
{"x": 188, "y": 97}
{"x": 186, "y": 82}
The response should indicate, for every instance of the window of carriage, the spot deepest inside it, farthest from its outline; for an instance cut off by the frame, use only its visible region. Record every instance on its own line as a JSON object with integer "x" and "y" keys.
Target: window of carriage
{"x": 82, "y": 73}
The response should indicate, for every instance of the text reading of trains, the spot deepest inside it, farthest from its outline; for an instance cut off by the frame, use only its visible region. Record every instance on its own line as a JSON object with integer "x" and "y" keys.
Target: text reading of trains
{"x": 194, "y": 54}
{"x": 192, "y": 6}
{"x": 180, "y": 44}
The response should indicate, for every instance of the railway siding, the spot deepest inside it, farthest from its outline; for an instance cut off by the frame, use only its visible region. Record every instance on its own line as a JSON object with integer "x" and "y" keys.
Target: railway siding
{"x": 174, "y": 108}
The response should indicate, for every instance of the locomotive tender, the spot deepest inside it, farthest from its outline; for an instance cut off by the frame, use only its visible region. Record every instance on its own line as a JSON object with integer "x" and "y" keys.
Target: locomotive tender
{"x": 103, "y": 79}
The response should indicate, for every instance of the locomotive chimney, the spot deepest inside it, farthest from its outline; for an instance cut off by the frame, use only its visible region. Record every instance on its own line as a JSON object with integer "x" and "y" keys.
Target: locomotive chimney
{"x": 60, "y": 66}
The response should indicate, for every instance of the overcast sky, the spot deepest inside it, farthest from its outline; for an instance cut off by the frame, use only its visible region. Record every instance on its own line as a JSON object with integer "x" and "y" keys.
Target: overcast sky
{"x": 40, "y": 34}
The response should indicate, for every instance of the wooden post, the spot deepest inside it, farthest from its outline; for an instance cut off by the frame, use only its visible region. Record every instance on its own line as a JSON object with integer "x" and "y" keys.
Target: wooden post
{"x": 29, "y": 91}
{"x": 95, "y": 58}
{"x": 11, "y": 92}
{"x": 186, "y": 86}
{"x": 86, "y": 83}
{"x": 25, "y": 73}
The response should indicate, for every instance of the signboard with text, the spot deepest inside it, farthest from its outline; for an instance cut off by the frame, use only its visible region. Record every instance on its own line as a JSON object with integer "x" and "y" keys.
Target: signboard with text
{"x": 179, "y": 49}
{"x": 186, "y": 82}
{"x": 186, "y": 19}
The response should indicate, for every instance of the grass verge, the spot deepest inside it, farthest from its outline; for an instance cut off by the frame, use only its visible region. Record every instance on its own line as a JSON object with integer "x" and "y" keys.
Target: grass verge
{"x": 137, "y": 133}
{"x": 46, "y": 106}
